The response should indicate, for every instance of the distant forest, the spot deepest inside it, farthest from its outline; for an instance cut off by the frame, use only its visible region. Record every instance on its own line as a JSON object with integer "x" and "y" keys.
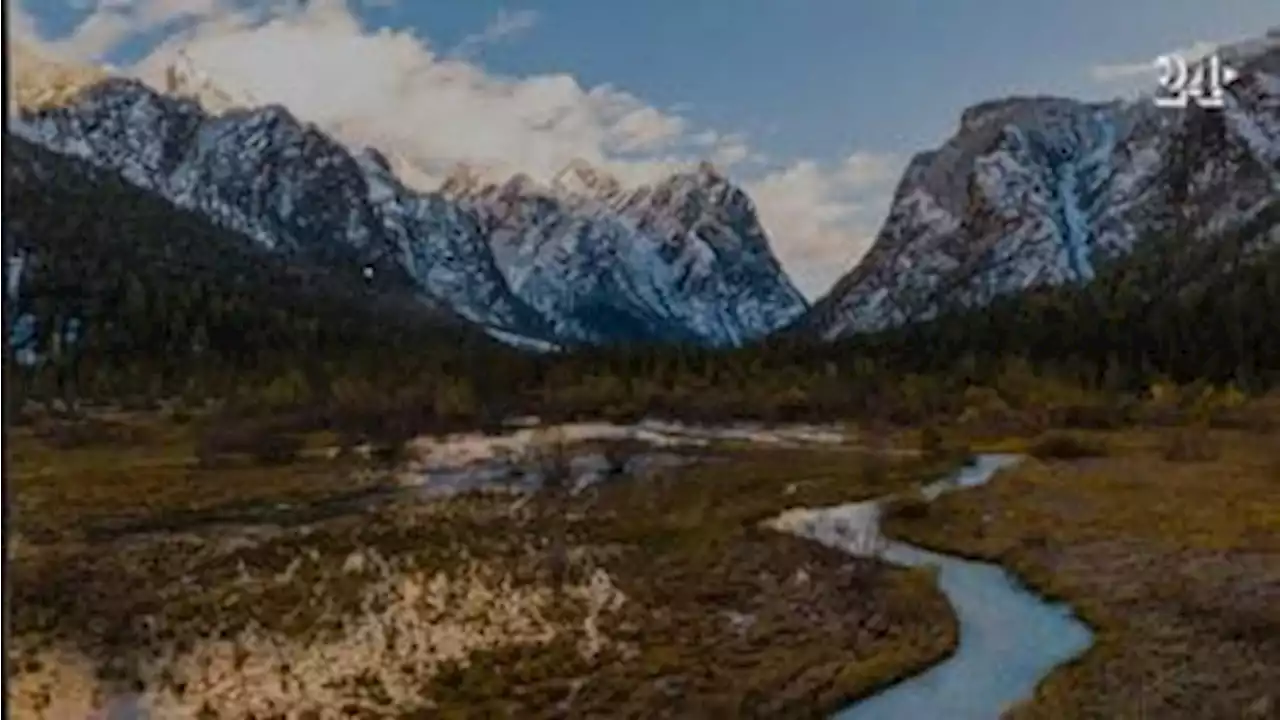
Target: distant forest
{"x": 161, "y": 304}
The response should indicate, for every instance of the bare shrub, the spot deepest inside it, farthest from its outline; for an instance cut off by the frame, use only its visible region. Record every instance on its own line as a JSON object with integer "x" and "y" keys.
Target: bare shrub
{"x": 410, "y": 625}
{"x": 932, "y": 443}
{"x": 1191, "y": 445}
{"x": 261, "y": 441}
{"x": 277, "y": 449}
{"x": 1067, "y": 446}
{"x": 88, "y": 432}
{"x": 1089, "y": 416}
{"x": 553, "y": 463}
{"x": 390, "y": 450}
{"x": 913, "y": 505}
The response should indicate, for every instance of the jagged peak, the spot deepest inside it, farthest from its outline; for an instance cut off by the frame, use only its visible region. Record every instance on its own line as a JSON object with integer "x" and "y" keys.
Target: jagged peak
{"x": 182, "y": 77}
{"x": 377, "y": 158}
{"x": 464, "y": 180}
{"x": 1014, "y": 108}
{"x": 1254, "y": 54}
{"x": 581, "y": 182}
{"x": 580, "y": 177}
{"x": 702, "y": 176}
{"x": 519, "y": 184}
{"x": 707, "y": 170}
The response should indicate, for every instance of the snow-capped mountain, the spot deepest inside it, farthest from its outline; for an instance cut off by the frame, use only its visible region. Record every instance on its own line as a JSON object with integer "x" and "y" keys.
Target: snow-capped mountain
{"x": 181, "y": 77}
{"x": 1040, "y": 190}
{"x": 684, "y": 259}
{"x": 281, "y": 182}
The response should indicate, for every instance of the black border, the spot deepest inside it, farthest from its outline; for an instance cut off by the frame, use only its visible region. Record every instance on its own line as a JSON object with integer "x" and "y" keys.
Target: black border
{"x": 6, "y": 511}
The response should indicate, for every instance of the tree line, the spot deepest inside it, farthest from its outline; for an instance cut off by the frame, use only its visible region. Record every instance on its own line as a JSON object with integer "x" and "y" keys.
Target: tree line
{"x": 164, "y": 304}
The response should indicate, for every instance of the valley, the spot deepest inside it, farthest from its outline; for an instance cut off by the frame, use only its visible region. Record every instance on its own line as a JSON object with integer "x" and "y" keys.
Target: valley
{"x": 288, "y": 436}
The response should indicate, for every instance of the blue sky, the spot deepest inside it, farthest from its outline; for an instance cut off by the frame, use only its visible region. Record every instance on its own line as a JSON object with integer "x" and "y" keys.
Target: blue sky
{"x": 821, "y": 77}
{"x": 812, "y": 104}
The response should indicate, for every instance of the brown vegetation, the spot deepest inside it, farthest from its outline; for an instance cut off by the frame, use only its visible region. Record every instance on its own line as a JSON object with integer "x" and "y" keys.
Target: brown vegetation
{"x": 1176, "y": 565}
{"x": 696, "y": 610}
{"x": 1067, "y": 446}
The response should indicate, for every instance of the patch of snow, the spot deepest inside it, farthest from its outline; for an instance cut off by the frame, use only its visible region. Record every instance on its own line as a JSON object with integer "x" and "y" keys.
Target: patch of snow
{"x": 507, "y": 462}
{"x": 522, "y": 342}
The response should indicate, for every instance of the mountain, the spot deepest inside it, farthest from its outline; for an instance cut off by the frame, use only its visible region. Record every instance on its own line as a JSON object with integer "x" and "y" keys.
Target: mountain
{"x": 1037, "y": 191}
{"x": 285, "y": 184}
{"x": 124, "y": 291}
{"x": 683, "y": 260}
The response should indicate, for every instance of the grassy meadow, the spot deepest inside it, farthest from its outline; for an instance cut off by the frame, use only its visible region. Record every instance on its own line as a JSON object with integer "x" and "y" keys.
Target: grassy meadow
{"x": 209, "y": 582}
{"x": 1165, "y": 540}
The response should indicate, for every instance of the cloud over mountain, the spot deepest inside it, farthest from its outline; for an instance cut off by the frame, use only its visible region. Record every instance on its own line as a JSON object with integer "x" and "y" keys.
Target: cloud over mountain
{"x": 437, "y": 107}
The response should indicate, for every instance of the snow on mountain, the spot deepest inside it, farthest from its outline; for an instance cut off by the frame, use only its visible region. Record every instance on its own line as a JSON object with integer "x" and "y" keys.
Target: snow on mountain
{"x": 684, "y": 259}
{"x": 583, "y": 261}
{"x": 1039, "y": 190}
{"x": 181, "y": 77}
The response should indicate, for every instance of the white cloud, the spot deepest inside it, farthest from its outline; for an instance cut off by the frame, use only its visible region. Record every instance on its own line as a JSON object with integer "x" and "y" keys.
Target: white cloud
{"x": 1145, "y": 70}
{"x": 23, "y": 26}
{"x": 504, "y": 25}
{"x": 390, "y": 88}
{"x": 827, "y": 216}
{"x": 730, "y": 151}
{"x": 111, "y": 22}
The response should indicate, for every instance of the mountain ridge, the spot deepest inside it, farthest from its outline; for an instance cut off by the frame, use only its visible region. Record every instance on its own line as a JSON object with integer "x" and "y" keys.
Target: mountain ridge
{"x": 1030, "y": 190}
{"x": 1037, "y": 189}
{"x": 290, "y": 184}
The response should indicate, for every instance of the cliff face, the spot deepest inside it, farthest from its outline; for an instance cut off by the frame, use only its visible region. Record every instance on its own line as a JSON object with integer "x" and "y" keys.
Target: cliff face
{"x": 1039, "y": 190}
{"x": 684, "y": 259}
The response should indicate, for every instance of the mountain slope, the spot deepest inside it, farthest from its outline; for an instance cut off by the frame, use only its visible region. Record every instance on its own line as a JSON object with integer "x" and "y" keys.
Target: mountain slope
{"x": 121, "y": 290}
{"x": 1038, "y": 191}
{"x": 684, "y": 260}
{"x": 287, "y": 185}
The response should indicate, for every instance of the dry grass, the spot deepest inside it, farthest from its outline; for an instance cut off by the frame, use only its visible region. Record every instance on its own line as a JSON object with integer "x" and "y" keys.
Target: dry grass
{"x": 98, "y": 477}
{"x": 674, "y": 603}
{"x": 1175, "y": 564}
{"x": 1061, "y": 445}
{"x": 408, "y": 625}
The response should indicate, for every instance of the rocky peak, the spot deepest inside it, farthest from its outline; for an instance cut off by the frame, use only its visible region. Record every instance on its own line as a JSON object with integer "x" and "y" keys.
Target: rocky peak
{"x": 1019, "y": 108}
{"x": 580, "y": 178}
{"x": 463, "y": 181}
{"x": 518, "y": 185}
{"x": 580, "y": 259}
{"x": 183, "y": 78}
{"x": 1036, "y": 190}
{"x": 708, "y": 173}
{"x": 376, "y": 159}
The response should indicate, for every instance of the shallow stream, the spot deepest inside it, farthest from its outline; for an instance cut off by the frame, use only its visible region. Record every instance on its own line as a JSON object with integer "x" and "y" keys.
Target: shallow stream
{"x": 1010, "y": 638}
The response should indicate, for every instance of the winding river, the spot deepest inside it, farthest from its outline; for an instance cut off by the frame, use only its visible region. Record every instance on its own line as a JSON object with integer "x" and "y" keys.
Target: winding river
{"x": 1010, "y": 638}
